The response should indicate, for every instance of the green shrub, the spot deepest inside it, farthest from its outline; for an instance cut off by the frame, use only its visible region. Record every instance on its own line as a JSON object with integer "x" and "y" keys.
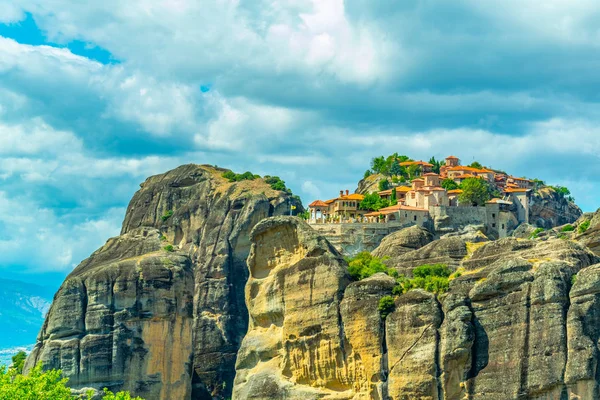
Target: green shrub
{"x": 169, "y": 248}
{"x": 168, "y": 214}
{"x": 233, "y": 177}
{"x": 367, "y": 174}
{"x": 573, "y": 279}
{"x": 364, "y": 265}
{"x": 585, "y": 225}
{"x": 386, "y": 306}
{"x": 568, "y": 228}
{"x": 433, "y": 278}
{"x": 426, "y": 270}
{"x": 536, "y": 233}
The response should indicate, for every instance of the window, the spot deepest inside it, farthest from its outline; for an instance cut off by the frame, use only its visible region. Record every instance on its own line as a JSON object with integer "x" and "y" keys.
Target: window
{"x": 493, "y": 225}
{"x": 415, "y": 217}
{"x": 502, "y": 226}
{"x": 494, "y": 216}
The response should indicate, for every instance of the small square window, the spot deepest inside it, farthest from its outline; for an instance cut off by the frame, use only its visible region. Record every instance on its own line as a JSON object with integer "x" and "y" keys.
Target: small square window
{"x": 493, "y": 225}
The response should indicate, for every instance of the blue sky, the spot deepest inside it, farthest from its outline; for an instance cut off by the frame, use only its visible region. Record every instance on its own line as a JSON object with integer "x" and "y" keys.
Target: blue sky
{"x": 96, "y": 96}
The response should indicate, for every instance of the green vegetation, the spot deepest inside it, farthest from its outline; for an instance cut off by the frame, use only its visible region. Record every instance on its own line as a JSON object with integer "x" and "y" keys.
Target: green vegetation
{"x": 168, "y": 214}
{"x": 386, "y": 306}
{"x": 364, "y": 265}
{"x": 394, "y": 197}
{"x": 476, "y": 192}
{"x": 40, "y": 385}
{"x": 536, "y": 233}
{"x": 373, "y": 202}
{"x": 276, "y": 183}
{"x": 163, "y": 238}
{"x": 389, "y": 166}
{"x": 304, "y": 215}
{"x": 573, "y": 279}
{"x": 433, "y": 278}
{"x": 18, "y": 361}
{"x": 233, "y": 177}
{"x": 437, "y": 165}
{"x": 384, "y": 184}
{"x": 367, "y": 174}
{"x": 169, "y": 248}
{"x": 449, "y": 184}
{"x": 476, "y": 164}
{"x": 563, "y": 192}
{"x": 568, "y": 228}
{"x": 584, "y": 226}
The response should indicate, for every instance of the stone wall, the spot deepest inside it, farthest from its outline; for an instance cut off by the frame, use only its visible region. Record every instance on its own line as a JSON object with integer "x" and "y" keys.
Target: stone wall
{"x": 351, "y": 239}
{"x": 451, "y": 219}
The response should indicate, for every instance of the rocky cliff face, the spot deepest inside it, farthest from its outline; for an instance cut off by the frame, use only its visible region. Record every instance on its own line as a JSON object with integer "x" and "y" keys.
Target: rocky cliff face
{"x": 519, "y": 323}
{"x": 369, "y": 184}
{"x": 160, "y": 309}
{"x": 550, "y": 209}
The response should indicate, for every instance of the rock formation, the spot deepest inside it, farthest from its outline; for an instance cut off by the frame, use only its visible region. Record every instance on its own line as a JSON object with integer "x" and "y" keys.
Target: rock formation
{"x": 549, "y": 209}
{"x": 160, "y": 309}
{"x": 369, "y": 184}
{"x": 520, "y": 322}
{"x": 202, "y": 287}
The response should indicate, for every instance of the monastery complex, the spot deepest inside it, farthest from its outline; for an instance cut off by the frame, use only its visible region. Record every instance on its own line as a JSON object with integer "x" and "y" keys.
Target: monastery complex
{"x": 426, "y": 203}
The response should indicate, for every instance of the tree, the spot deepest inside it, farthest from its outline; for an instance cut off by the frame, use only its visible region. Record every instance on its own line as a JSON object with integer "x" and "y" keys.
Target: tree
{"x": 373, "y": 202}
{"x": 18, "y": 361}
{"x": 384, "y": 184}
{"x": 396, "y": 169}
{"x": 394, "y": 197}
{"x": 386, "y": 306}
{"x": 449, "y": 184}
{"x": 414, "y": 171}
{"x": 378, "y": 165}
{"x": 476, "y": 164}
{"x": 367, "y": 174}
{"x": 475, "y": 192}
{"x": 437, "y": 165}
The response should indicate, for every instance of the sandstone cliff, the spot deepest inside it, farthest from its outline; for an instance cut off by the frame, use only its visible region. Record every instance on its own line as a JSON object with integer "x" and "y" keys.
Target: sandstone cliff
{"x": 519, "y": 323}
{"x": 160, "y": 309}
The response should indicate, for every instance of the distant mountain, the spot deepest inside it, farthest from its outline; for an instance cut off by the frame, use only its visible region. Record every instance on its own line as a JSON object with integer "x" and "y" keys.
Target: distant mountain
{"x": 23, "y": 307}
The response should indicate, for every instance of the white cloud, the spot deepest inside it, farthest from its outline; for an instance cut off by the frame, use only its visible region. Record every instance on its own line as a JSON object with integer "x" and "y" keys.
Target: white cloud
{"x": 40, "y": 240}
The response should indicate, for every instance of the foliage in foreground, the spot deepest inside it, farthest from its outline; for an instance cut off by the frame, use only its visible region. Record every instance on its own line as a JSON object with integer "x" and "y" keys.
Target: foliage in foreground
{"x": 40, "y": 385}
{"x": 536, "y": 233}
{"x": 18, "y": 361}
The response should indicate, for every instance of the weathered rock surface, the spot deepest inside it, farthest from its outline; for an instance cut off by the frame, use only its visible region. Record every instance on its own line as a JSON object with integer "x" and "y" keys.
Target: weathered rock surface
{"x": 369, "y": 184}
{"x": 591, "y": 237}
{"x": 403, "y": 241}
{"x": 164, "y": 325}
{"x": 515, "y": 325}
{"x": 549, "y": 209}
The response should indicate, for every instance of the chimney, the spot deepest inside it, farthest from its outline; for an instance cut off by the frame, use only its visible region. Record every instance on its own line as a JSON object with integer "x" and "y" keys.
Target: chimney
{"x": 341, "y": 193}
{"x": 347, "y": 192}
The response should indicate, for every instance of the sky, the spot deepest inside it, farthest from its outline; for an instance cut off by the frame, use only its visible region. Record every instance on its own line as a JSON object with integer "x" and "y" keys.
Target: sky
{"x": 95, "y": 96}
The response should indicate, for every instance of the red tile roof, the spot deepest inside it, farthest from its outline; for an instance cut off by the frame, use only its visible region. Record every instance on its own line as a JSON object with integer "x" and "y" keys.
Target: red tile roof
{"x": 318, "y": 203}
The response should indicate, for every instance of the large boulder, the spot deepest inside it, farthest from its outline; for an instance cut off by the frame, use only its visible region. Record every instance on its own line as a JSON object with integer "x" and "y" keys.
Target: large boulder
{"x": 163, "y": 324}
{"x": 548, "y": 209}
{"x": 403, "y": 241}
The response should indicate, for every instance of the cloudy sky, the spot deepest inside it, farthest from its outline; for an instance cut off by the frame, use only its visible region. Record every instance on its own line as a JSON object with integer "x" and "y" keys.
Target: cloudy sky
{"x": 95, "y": 96}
